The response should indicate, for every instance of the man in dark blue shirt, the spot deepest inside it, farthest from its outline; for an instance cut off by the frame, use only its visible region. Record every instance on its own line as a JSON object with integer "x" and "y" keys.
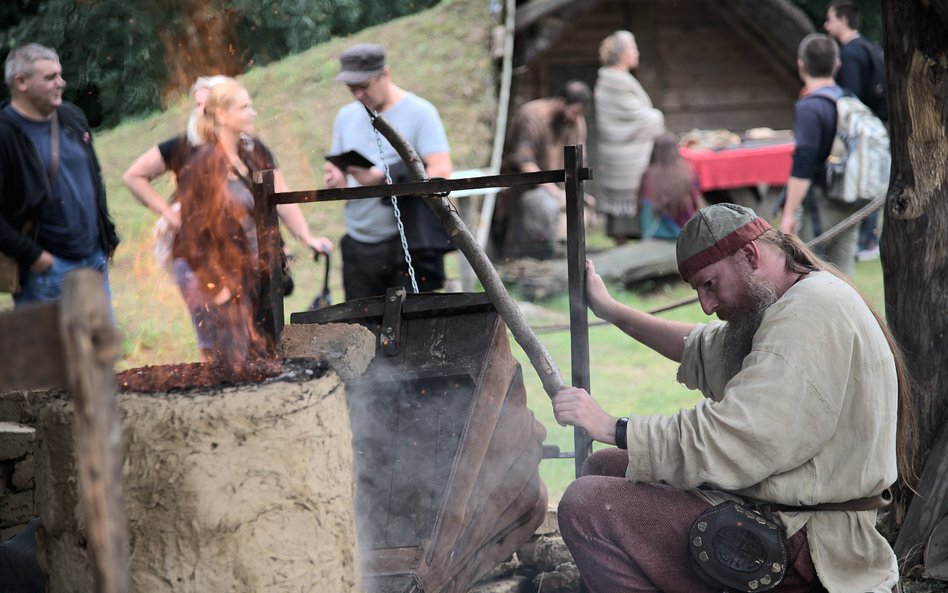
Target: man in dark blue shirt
{"x": 53, "y": 212}
{"x": 814, "y": 127}
{"x": 860, "y": 75}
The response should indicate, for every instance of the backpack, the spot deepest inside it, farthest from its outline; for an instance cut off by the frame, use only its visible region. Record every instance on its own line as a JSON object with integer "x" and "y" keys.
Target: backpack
{"x": 857, "y": 168}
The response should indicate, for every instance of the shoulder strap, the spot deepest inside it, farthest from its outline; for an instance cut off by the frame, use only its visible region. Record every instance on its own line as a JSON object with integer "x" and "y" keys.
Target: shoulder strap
{"x": 826, "y": 93}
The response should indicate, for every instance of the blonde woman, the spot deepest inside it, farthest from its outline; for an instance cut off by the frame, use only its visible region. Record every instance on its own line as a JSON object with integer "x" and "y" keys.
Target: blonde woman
{"x": 626, "y": 125}
{"x": 215, "y": 250}
{"x": 174, "y": 153}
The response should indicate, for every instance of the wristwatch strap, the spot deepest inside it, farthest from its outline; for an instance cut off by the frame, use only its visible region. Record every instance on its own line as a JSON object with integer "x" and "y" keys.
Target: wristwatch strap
{"x": 621, "y": 426}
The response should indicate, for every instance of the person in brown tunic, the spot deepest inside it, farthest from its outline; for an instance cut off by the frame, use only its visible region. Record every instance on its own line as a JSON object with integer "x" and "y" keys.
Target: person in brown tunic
{"x": 526, "y": 222}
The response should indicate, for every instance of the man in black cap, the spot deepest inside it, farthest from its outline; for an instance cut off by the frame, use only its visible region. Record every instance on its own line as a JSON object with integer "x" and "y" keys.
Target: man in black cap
{"x": 373, "y": 255}
{"x": 798, "y": 373}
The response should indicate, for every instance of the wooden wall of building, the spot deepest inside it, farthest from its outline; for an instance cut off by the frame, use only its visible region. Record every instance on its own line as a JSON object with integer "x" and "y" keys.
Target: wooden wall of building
{"x": 699, "y": 63}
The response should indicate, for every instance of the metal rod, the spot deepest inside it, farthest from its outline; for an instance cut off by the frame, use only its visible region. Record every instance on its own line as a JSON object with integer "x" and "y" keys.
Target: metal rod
{"x": 576, "y": 274}
{"x": 429, "y": 187}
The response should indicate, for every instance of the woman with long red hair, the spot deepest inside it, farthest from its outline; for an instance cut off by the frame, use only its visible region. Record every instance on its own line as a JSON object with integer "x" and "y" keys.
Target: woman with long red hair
{"x": 215, "y": 251}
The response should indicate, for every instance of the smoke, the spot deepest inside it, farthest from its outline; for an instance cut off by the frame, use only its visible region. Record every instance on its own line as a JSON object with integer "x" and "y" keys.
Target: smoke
{"x": 446, "y": 454}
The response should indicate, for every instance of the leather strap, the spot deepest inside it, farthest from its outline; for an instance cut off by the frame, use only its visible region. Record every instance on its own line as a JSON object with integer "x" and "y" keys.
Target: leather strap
{"x": 53, "y": 148}
{"x": 866, "y": 503}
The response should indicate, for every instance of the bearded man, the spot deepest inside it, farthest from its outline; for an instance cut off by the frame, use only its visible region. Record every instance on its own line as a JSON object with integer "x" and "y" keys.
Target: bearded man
{"x": 803, "y": 389}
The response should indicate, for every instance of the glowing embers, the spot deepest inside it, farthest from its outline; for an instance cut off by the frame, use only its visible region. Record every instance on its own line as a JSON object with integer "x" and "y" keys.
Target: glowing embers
{"x": 182, "y": 377}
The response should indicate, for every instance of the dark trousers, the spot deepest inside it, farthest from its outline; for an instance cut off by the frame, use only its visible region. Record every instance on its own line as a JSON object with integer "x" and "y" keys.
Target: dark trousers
{"x": 369, "y": 269}
{"x": 868, "y": 237}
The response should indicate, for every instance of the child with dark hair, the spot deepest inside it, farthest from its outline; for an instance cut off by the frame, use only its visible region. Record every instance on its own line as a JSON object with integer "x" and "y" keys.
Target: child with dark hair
{"x": 669, "y": 193}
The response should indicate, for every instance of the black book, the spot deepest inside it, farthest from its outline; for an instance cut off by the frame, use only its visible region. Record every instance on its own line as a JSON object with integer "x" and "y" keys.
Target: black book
{"x": 353, "y": 158}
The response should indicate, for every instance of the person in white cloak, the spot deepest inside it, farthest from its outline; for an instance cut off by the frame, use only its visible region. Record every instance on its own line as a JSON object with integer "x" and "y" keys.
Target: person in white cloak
{"x": 626, "y": 127}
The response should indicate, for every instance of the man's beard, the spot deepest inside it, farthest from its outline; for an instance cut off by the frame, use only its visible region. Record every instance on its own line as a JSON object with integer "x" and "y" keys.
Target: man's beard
{"x": 743, "y": 320}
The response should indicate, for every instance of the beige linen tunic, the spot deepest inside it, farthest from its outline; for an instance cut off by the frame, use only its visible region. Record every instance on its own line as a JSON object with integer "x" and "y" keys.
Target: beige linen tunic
{"x": 810, "y": 418}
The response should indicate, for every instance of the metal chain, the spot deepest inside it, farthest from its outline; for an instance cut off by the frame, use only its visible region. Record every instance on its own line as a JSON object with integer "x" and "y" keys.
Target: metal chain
{"x": 398, "y": 213}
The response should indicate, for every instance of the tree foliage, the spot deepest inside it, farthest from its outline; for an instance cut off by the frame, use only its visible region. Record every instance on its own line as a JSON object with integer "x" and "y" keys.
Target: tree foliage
{"x": 125, "y": 58}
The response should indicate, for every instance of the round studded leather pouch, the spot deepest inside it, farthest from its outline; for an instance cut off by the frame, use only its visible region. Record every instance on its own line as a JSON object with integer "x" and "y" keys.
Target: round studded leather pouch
{"x": 738, "y": 547}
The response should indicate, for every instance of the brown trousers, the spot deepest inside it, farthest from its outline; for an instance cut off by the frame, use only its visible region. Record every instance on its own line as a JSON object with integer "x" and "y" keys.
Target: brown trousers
{"x": 632, "y": 537}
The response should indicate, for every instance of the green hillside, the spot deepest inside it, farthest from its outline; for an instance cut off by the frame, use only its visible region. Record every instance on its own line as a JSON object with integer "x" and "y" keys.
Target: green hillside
{"x": 441, "y": 54}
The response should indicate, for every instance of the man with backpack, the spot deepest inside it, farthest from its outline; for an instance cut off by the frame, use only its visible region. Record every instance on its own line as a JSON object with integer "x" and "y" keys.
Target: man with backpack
{"x": 862, "y": 73}
{"x": 807, "y": 211}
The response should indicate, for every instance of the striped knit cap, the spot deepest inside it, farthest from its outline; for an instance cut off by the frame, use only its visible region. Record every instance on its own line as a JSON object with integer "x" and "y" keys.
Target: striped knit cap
{"x": 714, "y": 233}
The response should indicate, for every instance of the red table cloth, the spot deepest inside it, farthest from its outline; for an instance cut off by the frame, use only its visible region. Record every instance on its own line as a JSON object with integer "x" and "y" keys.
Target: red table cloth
{"x": 741, "y": 167}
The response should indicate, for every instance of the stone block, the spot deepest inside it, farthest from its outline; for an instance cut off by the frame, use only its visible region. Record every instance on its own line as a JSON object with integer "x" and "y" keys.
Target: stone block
{"x": 18, "y": 406}
{"x": 16, "y": 508}
{"x": 550, "y": 525}
{"x": 563, "y": 579}
{"x": 544, "y": 553}
{"x": 504, "y": 569}
{"x": 23, "y": 474}
{"x": 513, "y": 584}
{"x": 347, "y": 347}
{"x": 16, "y": 440}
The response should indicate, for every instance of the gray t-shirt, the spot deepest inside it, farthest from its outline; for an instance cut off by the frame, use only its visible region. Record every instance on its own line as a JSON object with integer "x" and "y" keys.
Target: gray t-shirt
{"x": 372, "y": 220}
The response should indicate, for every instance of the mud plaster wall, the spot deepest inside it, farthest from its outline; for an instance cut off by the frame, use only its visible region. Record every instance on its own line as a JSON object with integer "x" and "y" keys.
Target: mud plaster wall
{"x": 241, "y": 489}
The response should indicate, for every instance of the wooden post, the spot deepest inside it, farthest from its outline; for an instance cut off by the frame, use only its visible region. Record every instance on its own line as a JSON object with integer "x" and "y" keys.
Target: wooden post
{"x": 90, "y": 346}
{"x": 270, "y": 262}
{"x": 576, "y": 274}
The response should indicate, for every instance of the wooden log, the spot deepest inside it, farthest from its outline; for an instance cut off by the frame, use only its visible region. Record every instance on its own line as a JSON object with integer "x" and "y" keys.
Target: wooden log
{"x": 628, "y": 264}
{"x": 90, "y": 346}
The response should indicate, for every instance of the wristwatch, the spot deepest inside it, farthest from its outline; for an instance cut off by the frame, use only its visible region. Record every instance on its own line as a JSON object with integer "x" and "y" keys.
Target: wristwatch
{"x": 621, "y": 425}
